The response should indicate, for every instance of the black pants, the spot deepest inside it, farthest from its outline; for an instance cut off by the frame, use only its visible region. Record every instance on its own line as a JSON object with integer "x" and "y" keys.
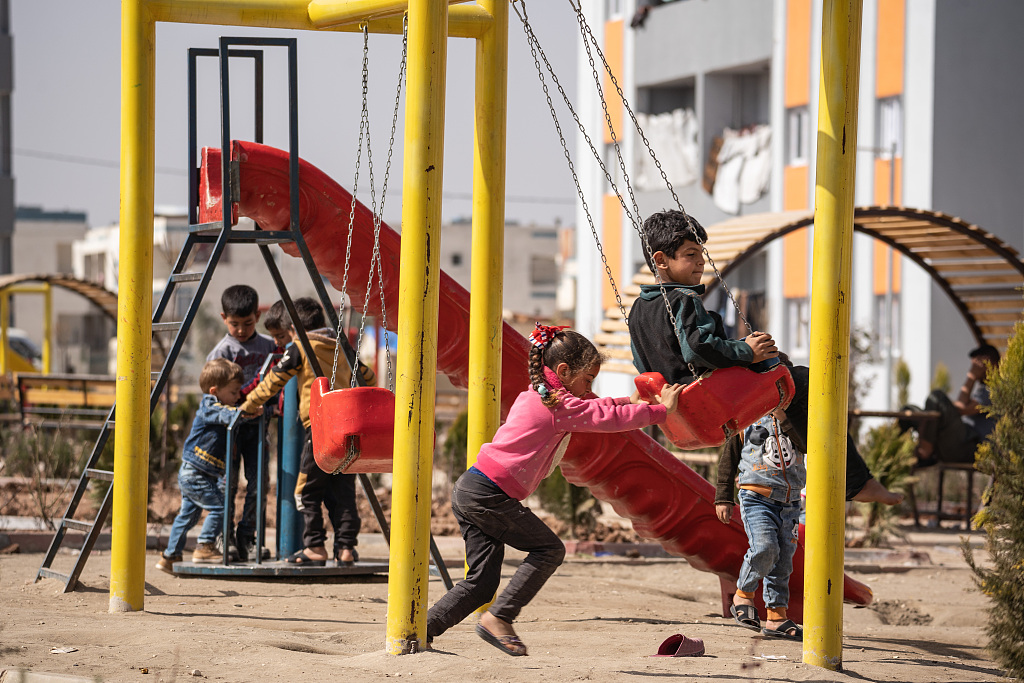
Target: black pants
{"x": 954, "y": 440}
{"x": 489, "y": 519}
{"x": 857, "y": 472}
{"x": 335, "y": 491}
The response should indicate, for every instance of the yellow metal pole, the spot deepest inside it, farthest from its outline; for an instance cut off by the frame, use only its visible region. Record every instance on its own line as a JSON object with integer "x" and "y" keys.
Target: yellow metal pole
{"x": 485, "y": 323}
{"x": 417, "y": 326}
{"x": 5, "y": 316}
{"x": 47, "y": 328}
{"x": 830, "y": 332}
{"x": 134, "y": 308}
{"x": 464, "y": 21}
{"x": 332, "y": 12}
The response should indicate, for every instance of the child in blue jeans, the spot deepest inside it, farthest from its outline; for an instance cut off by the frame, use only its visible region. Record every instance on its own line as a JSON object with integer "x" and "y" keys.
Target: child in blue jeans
{"x": 202, "y": 464}
{"x": 525, "y": 450}
{"x": 772, "y": 470}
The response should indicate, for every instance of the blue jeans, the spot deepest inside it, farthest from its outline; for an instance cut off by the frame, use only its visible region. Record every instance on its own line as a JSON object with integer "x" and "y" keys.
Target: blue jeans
{"x": 771, "y": 529}
{"x": 489, "y": 518}
{"x": 199, "y": 491}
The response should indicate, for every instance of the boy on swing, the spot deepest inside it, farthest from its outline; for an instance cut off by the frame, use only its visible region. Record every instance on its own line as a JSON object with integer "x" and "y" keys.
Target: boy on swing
{"x": 698, "y": 338}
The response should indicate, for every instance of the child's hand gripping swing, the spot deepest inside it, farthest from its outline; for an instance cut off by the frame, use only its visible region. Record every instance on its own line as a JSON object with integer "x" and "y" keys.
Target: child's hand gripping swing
{"x": 353, "y": 429}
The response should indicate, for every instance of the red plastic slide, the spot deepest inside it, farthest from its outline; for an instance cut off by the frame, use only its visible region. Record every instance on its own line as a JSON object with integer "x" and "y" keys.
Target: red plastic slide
{"x": 665, "y": 500}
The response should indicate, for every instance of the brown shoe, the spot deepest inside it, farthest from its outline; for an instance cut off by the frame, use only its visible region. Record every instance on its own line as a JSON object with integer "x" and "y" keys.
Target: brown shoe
{"x": 167, "y": 563}
{"x": 207, "y": 552}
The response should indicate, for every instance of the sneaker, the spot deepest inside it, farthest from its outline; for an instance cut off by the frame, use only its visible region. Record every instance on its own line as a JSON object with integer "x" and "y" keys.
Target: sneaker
{"x": 264, "y": 553}
{"x": 166, "y": 563}
{"x": 232, "y": 548}
{"x": 206, "y": 552}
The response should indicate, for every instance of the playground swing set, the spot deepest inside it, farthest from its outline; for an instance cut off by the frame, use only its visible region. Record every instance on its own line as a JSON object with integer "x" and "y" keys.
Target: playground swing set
{"x": 429, "y": 21}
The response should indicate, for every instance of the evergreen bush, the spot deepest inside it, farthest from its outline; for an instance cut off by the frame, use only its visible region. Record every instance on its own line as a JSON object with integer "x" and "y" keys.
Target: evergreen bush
{"x": 1002, "y": 517}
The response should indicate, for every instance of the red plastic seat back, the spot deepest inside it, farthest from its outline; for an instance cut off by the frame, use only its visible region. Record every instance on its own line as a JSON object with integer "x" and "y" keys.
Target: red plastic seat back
{"x": 353, "y": 429}
{"x": 717, "y": 406}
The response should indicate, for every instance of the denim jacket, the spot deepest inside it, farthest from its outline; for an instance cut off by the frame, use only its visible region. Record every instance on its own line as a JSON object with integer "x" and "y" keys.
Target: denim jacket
{"x": 767, "y": 457}
{"x": 207, "y": 443}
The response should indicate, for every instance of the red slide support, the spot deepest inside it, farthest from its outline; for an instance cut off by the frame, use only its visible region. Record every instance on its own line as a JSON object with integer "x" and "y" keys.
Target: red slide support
{"x": 666, "y": 501}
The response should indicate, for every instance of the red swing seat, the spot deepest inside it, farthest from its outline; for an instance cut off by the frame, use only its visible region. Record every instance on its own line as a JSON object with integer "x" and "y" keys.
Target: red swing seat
{"x": 353, "y": 429}
{"x": 720, "y": 404}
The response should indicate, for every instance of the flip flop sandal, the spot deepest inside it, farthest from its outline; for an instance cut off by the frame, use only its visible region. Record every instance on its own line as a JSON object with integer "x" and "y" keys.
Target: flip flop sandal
{"x": 784, "y": 631}
{"x": 746, "y": 616}
{"x": 300, "y": 558}
{"x": 679, "y": 645}
{"x": 510, "y": 645}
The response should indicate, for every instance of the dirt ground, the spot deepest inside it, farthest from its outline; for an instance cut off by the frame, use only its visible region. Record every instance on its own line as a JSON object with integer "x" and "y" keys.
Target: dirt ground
{"x": 598, "y": 619}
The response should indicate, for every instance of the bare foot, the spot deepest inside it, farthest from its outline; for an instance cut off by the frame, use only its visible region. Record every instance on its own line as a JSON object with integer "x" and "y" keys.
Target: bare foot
{"x": 874, "y": 492}
{"x": 317, "y": 553}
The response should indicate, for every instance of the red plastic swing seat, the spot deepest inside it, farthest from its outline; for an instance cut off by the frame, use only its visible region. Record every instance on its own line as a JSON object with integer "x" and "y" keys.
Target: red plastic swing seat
{"x": 720, "y": 404}
{"x": 353, "y": 429}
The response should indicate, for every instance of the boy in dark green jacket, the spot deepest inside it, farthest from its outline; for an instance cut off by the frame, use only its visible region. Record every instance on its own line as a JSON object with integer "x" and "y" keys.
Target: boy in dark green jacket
{"x": 698, "y": 336}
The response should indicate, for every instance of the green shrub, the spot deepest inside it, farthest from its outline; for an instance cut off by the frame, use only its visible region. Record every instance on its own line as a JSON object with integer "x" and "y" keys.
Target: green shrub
{"x": 1002, "y": 518}
{"x": 889, "y": 455}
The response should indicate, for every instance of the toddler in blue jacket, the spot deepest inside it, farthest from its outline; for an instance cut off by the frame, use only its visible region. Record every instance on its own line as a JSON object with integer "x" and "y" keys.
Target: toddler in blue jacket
{"x": 202, "y": 464}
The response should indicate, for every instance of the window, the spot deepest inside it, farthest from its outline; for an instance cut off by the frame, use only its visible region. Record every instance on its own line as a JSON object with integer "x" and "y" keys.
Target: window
{"x": 798, "y": 119}
{"x": 798, "y": 326}
{"x": 543, "y": 270}
{"x": 456, "y": 258}
{"x": 890, "y": 125}
{"x": 888, "y": 326}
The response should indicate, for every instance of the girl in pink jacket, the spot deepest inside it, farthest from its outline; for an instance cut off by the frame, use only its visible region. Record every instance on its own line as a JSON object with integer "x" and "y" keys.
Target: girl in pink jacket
{"x": 526, "y": 449}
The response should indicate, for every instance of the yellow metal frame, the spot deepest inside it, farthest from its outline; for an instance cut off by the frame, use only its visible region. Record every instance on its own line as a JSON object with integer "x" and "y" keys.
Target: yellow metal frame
{"x": 830, "y": 332}
{"x": 430, "y": 23}
{"x": 5, "y": 310}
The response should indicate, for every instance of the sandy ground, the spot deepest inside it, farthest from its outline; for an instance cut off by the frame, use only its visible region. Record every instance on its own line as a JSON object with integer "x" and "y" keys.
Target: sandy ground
{"x": 596, "y": 620}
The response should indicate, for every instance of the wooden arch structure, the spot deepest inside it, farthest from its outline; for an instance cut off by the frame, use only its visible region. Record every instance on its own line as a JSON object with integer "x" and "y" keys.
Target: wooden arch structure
{"x": 104, "y": 299}
{"x": 979, "y": 273}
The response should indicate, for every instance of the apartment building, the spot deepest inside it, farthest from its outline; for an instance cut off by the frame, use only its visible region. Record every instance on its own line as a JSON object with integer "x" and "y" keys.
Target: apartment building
{"x": 727, "y": 92}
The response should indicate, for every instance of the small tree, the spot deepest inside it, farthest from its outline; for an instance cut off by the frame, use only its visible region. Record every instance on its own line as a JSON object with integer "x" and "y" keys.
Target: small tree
{"x": 1002, "y": 457}
{"x": 889, "y": 454}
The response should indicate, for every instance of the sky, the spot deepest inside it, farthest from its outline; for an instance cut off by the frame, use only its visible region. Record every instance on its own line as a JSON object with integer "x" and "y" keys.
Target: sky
{"x": 66, "y": 110}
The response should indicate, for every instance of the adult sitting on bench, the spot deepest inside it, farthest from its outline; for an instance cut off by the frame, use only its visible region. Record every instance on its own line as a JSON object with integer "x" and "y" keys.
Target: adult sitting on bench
{"x": 962, "y": 426}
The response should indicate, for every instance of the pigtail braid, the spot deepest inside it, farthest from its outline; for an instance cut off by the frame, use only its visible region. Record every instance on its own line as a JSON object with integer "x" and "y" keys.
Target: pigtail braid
{"x": 537, "y": 380}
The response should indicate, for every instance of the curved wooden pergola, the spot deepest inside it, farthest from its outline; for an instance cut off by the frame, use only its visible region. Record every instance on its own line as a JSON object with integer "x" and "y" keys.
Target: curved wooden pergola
{"x": 104, "y": 299}
{"x": 980, "y": 274}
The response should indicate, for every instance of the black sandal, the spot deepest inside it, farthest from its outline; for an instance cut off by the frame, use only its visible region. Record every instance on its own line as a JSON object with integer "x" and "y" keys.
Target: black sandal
{"x": 746, "y": 616}
{"x": 342, "y": 563}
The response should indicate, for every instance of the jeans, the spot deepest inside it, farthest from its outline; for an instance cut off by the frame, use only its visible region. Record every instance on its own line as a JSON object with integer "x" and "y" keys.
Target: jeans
{"x": 248, "y": 436}
{"x": 772, "y": 533}
{"x": 489, "y": 519}
{"x": 199, "y": 491}
{"x": 857, "y": 472}
{"x": 335, "y": 491}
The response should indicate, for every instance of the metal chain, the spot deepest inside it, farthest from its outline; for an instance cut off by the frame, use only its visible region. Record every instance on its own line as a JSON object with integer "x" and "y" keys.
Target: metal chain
{"x": 375, "y": 260}
{"x": 364, "y": 116}
{"x": 589, "y": 37}
{"x": 536, "y": 48}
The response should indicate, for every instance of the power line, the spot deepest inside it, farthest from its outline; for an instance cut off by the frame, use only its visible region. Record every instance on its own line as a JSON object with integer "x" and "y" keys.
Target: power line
{"x": 166, "y": 170}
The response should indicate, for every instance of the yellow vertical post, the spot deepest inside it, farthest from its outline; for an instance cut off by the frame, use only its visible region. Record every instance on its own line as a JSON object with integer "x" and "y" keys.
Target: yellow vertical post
{"x": 134, "y": 308}
{"x": 5, "y": 316}
{"x": 830, "y": 332}
{"x": 485, "y": 323}
{"x": 417, "y": 320}
{"x": 47, "y": 328}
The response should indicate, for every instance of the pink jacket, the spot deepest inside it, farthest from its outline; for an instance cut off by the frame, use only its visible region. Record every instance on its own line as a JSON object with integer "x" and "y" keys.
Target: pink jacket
{"x": 530, "y": 444}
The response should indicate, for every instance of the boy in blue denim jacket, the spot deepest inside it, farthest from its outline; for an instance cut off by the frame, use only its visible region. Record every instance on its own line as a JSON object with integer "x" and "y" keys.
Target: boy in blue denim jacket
{"x": 772, "y": 470}
{"x": 202, "y": 464}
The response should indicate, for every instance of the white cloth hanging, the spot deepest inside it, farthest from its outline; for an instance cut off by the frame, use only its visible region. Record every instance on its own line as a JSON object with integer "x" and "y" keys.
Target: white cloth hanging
{"x": 744, "y": 167}
{"x": 673, "y": 137}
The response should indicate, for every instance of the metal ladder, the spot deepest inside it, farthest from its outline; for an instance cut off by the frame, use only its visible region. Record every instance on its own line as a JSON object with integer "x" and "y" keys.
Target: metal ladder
{"x": 219, "y": 234}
